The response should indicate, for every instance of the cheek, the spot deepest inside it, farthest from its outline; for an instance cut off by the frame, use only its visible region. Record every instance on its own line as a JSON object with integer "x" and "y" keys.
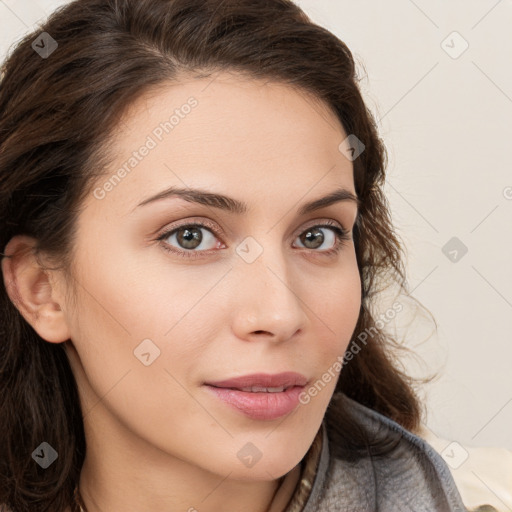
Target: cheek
{"x": 143, "y": 296}
{"x": 134, "y": 315}
{"x": 338, "y": 310}
{"x": 339, "y": 305}
{"x": 127, "y": 363}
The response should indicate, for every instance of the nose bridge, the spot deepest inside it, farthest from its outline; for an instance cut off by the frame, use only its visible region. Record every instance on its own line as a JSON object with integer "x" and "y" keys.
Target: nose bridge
{"x": 268, "y": 295}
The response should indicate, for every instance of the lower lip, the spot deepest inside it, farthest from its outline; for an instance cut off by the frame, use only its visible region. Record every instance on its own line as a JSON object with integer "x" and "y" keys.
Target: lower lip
{"x": 260, "y": 406}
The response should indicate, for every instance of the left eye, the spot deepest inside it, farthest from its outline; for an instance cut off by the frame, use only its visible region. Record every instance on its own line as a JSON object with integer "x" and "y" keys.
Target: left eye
{"x": 314, "y": 237}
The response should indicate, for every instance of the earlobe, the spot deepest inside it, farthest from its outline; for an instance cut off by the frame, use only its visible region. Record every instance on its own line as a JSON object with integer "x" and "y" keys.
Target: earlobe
{"x": 29, "y": 287}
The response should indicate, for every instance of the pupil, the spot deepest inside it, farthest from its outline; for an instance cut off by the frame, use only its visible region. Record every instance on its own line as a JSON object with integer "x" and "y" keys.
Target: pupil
{"x": 188, "y": 237}
{"x": 315, "y": 234}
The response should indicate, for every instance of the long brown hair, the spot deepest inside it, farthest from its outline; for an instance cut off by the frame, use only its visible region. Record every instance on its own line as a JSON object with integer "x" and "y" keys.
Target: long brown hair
{"x": 56, "y": 114}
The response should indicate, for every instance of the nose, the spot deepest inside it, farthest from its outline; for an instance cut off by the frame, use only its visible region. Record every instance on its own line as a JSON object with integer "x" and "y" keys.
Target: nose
{"x": 268, "y": 300}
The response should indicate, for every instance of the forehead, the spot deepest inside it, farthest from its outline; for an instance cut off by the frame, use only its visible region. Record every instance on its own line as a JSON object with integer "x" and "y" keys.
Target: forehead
{"x": 228, "y": 131}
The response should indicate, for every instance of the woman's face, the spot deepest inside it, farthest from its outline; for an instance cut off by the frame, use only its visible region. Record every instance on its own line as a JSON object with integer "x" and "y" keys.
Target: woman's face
{"x": 162, "y": 310}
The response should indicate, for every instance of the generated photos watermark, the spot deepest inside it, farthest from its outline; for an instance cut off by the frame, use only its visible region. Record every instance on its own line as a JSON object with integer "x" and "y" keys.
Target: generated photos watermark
{"x": 353, "y": 350}
{"x": 152, "y": 141}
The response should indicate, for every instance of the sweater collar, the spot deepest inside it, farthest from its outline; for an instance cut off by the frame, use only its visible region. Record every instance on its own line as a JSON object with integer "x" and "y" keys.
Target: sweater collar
{"x": 314, "y": 468}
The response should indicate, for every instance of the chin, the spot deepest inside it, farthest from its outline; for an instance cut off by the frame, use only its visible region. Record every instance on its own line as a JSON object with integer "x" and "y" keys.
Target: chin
{"x": 274, "y": 463}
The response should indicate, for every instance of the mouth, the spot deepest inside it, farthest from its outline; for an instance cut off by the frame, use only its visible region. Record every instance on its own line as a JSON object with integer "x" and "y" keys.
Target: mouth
{"x": 261, "y": 396}
{"x": 262, "y": 382}
{"x": 259, "y": 389}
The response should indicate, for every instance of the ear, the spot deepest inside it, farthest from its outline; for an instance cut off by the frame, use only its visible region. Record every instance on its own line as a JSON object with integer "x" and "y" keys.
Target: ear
{"x": 32, "y": 290}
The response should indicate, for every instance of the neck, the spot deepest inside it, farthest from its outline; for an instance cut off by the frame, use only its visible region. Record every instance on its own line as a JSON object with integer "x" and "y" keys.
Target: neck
{"x": 284, "y": 491}
{"x": 130, "y": 474}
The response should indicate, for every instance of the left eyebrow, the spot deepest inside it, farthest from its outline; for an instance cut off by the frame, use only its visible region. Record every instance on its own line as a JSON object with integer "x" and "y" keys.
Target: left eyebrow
{"x": 336, "y": 196}
{"x": 235, "y": 206}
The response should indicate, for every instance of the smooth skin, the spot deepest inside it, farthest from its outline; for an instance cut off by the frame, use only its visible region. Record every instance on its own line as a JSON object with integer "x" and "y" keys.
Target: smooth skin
{"x": 156, "y": 438}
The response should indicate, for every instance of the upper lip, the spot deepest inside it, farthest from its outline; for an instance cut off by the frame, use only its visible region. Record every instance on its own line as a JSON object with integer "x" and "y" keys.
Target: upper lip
{"x": 285, "y": 379}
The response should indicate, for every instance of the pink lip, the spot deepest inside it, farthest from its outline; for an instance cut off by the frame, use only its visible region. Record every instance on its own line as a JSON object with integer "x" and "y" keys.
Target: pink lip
{"x": 266, "y": 380}
{"x": 261, "y": 405}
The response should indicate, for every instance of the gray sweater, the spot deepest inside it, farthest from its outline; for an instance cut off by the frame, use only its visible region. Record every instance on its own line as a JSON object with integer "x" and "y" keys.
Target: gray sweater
{"x": 391, "y": 470}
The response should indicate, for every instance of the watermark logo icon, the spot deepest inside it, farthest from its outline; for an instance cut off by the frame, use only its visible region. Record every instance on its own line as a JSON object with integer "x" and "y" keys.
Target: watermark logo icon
{"x": 454, "y": 45}
{"x": 147, "y": 352}
{"x": 45, "y": 455}
{"x": 455, "y": 455}
{"x": 454, "y": 249}
{"x": 351, "y": 147}
{"x": 44, "y": 45}
{"x": 249, "y": 249}
{"x": 249, "y": 455}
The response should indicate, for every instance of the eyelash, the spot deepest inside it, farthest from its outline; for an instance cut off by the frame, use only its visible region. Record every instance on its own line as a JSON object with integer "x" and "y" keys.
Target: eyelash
{"x": 342, "y": 236}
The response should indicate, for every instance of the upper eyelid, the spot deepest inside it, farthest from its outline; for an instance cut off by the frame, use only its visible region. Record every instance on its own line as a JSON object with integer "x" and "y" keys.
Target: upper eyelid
{"x": 207, "y": 225}
{"x": 216, "y": 231}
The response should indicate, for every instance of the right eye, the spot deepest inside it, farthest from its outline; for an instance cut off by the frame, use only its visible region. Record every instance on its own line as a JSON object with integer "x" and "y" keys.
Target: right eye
{"x": 190, "y": 238}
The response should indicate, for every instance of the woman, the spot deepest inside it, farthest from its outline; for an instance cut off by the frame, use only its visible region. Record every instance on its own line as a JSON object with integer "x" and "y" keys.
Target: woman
{"x": 194, "y": 234}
